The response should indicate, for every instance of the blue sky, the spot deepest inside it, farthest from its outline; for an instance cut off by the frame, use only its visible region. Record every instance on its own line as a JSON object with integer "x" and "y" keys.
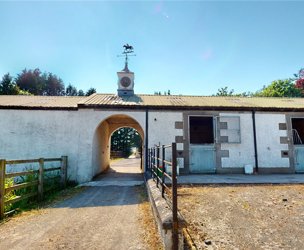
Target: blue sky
{"x": 191, "y": 48}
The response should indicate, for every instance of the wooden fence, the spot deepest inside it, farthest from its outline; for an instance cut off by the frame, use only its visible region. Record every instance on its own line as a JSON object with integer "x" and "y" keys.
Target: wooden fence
{"x": 39, "y": 182}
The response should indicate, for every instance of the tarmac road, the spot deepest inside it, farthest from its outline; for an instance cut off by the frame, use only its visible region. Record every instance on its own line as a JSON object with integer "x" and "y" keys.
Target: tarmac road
{"x": 100, "y": 217}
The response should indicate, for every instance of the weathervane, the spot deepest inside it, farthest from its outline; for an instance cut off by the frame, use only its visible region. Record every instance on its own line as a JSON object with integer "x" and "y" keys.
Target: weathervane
{"x": 128, "y": 50}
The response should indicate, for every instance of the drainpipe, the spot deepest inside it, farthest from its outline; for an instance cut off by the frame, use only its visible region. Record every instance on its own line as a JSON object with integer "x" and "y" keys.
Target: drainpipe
{"x": 255, "y": 143}
{"x": 146, "y": 140}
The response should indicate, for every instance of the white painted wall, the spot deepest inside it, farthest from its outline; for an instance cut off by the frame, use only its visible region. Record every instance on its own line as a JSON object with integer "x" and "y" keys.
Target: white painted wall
{"x": 162, "y": 127}
{"x": 27, "y": 134}
{"x": 242, "y": 153}
{"x": 162, "y": 130}
{"x": 268, "y": 140}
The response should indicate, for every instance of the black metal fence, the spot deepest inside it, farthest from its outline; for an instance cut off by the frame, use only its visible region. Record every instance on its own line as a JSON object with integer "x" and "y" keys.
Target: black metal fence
{"x": 163, "y": 167}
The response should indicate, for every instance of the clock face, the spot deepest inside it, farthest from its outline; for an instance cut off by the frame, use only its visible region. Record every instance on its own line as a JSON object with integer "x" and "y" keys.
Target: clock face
{"x": 125, "y": 81}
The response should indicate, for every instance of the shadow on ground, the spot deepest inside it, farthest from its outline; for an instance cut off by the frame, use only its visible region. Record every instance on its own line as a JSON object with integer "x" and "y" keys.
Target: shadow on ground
{"x": 104, "y": 196}
{"x": 121, "y": 184}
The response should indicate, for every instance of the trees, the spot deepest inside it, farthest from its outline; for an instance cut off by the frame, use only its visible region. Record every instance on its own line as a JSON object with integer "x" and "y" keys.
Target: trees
{"x": 9, "y": 87}
{"x": 124, "y": 139}
{"x": 38, "y": 83}
{"x": 299, "y": 81}
{"x": 280, "y": 88}
{"x": 90, "y": 91}
{"x": 31, "y": 81}
{"x": 53, "y": 85}
{"x": 71, "y": 90}
{"x": 80, "y": 92}
{"x": 224, "y": 92}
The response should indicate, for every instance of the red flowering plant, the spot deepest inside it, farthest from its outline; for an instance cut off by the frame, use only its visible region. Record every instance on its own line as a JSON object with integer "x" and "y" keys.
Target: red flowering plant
{"x": 299, "y": 82}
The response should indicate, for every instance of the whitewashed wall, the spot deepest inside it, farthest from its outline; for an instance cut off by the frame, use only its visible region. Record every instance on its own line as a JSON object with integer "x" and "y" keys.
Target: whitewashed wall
{"x": 268, "y": 140}
{"x": 162, "y": 130}
{"x": 240, "y": 154}
{"x": 162, "y": 127}
{"x": 27, "y": 134}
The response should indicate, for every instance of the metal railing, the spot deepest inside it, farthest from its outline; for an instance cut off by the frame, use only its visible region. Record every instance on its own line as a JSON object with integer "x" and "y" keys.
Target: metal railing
{"x": 159, "y": 167}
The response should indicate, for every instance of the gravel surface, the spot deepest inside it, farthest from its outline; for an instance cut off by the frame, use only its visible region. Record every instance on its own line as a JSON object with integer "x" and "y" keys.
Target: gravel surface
{"x": 245, "y": 217}
{"x": 107, "y": 217}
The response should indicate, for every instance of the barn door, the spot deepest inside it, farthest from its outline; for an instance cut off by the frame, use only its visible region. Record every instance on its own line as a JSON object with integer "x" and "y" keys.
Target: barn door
{"x": 299, "y": 158}
{"x": 202, "y": 147}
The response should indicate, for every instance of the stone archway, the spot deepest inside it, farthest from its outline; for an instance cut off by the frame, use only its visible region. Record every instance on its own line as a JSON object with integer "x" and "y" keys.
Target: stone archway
{"x": 102, "y": 142}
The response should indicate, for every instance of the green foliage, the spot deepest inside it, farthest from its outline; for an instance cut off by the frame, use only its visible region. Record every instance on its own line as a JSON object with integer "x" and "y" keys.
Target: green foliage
{"x": 80, "y": 92}
{"x": 54, "y": 86}
{"x": 34, "y": 82}
{"x": 90, "y": 91}
{"x": 51, "y": 185}
{"x": 224, "y": 92}
{"x": 71, "y": 90}
{"x": 280, "y": 88}
{"x": 9, "y": 182}
{"x": 300, "y": 74}
{"x": 9, "y": 87}
{"x": 124, "y": 139}
{"x": 25, "y": 202}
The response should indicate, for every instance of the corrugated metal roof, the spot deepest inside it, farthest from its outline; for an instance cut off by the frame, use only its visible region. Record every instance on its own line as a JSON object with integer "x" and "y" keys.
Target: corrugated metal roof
{"x": 194, "y": 101}
{"x": 24, "y": 101}
{"x": 157, "y": 101}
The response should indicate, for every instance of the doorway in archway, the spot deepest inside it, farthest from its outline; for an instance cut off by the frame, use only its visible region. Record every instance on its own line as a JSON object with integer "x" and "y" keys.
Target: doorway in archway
{"x": 126, "y": 154}
{"x": 117, "y": 149}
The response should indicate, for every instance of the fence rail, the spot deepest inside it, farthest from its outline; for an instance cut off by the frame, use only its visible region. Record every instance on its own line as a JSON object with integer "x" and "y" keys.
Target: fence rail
{"x": 157, "y": 165}
{"x": 39, "y": 182}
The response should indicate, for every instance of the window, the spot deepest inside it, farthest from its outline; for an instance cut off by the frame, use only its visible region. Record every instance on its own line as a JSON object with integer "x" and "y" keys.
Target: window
{"x": 201, "y": 130}
{"x": 230, "y": 129}
{"x": 297, "y": 130}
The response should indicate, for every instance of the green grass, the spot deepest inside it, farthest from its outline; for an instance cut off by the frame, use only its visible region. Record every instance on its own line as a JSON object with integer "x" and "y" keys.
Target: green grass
{"x": 51, "y": 188}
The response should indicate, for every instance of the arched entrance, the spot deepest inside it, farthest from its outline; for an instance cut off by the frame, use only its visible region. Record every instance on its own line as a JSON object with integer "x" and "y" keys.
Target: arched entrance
{"x": 102, "y": 139}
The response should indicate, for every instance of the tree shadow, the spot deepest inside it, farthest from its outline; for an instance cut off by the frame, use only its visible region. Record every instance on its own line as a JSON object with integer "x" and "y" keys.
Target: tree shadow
{"x": 105, "y": 196}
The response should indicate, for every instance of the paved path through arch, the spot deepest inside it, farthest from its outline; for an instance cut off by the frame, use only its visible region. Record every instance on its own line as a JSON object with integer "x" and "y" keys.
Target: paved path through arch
{"x": 101, "y": 217}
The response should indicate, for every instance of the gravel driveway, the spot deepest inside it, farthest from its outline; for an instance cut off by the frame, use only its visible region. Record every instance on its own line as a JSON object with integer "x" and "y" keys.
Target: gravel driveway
{"x": 100, "y": 217}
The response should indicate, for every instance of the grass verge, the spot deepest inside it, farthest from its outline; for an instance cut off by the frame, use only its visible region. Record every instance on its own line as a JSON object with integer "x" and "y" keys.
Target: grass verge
{"x": 150, "y": 232}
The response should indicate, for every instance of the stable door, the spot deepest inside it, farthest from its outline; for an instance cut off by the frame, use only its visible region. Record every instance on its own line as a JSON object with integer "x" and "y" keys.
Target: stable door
{"x": 202, "y": 146}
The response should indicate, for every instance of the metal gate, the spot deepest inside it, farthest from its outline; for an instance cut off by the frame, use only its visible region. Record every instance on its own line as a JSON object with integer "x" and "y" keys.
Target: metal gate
{"x": 202, "y": 159}
{"x": 299, "y": 158}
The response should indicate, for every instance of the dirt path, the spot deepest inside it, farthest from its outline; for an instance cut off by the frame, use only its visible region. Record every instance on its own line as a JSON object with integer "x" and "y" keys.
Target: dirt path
{"x": 245, "y": 217}
{"x": 106, "y": 217}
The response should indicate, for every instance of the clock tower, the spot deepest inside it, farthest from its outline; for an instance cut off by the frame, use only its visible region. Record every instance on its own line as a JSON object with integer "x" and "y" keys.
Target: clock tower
{"x": 126, "y": 77}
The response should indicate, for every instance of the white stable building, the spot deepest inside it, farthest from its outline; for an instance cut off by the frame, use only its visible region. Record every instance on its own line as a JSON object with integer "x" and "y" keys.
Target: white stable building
{"x": 213, "y": 134}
